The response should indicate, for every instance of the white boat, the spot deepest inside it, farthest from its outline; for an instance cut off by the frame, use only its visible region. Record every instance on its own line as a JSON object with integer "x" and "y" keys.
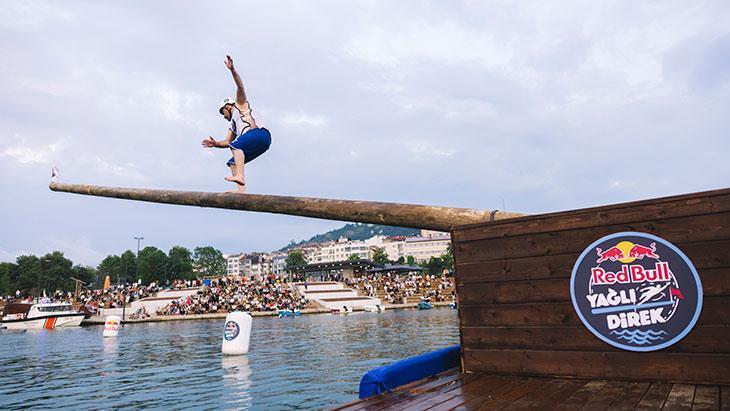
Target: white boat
{"x": 374, "y": 308}
{"x": 37, "y": 316}
{"x": 344, "y": 310}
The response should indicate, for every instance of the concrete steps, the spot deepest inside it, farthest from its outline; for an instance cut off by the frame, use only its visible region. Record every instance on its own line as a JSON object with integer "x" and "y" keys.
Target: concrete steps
{"x": 334, "y": 295}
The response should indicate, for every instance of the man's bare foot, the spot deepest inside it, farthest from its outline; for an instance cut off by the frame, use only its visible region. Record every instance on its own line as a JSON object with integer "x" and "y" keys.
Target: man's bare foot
{"x": 240, "y": 190}
{"x": 235, "y": 179}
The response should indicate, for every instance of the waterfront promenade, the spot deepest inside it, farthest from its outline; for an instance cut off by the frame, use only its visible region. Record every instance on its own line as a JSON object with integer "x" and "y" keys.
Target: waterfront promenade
{"x": 98, "y": 320}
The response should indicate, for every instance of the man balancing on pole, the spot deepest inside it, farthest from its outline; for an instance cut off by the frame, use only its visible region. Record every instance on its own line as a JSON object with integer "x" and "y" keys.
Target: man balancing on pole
{"x": 245, "y": 139}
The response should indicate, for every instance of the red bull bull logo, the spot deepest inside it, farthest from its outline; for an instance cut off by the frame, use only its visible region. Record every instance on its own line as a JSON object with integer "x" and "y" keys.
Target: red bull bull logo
{"x": 641, "y": 294}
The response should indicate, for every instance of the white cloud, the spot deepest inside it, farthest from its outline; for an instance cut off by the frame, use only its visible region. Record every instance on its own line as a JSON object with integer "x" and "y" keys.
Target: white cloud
{"x": 23, "y": 152}
{"x": 302, "y": 118}
{"x": 424, "y": 148}
{"x": 174, "y": 105}
{"x": 405, "y": 96}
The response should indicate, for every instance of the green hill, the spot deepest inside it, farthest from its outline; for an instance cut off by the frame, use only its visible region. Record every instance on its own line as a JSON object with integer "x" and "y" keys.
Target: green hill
{"x": 356, "y": 231}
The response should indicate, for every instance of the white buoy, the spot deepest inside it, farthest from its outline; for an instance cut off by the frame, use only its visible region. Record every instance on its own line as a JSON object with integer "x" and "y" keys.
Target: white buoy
{"x": 236, "y": 333}
{"x": 111, "y": 326}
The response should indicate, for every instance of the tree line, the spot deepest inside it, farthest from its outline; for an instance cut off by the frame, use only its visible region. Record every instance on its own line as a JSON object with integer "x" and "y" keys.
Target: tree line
{"x": 53, "y": 271}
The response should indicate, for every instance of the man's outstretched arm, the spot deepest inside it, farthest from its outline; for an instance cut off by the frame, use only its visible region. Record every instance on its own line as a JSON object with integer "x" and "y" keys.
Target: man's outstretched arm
{"x": 211, "y": 142}
{"x": 240, "y": 93}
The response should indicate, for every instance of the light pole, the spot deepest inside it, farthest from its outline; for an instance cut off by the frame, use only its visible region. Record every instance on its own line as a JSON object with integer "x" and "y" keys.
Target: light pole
{"x": 138, "y": 240}
{"x": 124, "y": 302}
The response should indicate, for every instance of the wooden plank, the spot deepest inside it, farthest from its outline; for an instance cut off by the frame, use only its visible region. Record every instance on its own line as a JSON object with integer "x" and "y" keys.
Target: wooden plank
{"x": 518, "y": 314}
{"x": 532, "y": 268}
{"x": 715, "y": 311}
{"x": 707, "y": 398}
{"x": 603, "y": 398}
{"x": 507, "y": 394}
{"x": 650, "y": 366}
{"x": 712, "y": 267}
{"x": 474, "y": 394}
{"x": 706, "y": 228}
{"x": 702, "y": 339}
{"x": 725, "y": 398}
{"x": 559, "y": 395}
{"x": 705, "y": 203}
{"x": 680, "y": 398}
{"x": 436, "y": 397}
{"x": 537, "y": 398}
{"x": 655, "y": 396}
{"x": 629, "y": 397}
{"x": 549, "y": 290}
{"x": 715, "y": 282}
{"x": 405, "y": 392}
{"x": 580, "y": 397}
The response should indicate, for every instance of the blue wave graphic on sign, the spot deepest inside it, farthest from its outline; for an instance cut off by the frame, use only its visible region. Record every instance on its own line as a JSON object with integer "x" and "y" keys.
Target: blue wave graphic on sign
{"x": 639, "y": 337}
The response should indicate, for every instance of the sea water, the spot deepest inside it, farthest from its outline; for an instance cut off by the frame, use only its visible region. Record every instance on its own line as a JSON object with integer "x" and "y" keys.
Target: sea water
{"x": 311, "y": 361}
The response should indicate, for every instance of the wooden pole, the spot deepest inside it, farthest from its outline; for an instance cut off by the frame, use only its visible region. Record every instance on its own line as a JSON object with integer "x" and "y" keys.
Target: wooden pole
{"x": 393, "y": 214}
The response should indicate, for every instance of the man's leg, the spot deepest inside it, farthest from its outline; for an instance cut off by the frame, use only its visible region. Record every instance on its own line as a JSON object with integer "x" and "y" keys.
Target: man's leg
{"x": 237, "y": 171}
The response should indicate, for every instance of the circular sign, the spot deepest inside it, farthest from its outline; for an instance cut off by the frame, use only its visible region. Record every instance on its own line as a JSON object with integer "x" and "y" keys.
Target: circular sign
{"x": 231, "y": 330}
{"x": 636, "y": 291}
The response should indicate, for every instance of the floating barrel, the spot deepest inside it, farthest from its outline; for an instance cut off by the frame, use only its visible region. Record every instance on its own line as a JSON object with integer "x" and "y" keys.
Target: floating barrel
{"x": 236, "y": 333}
{"x": 111, "y": 326}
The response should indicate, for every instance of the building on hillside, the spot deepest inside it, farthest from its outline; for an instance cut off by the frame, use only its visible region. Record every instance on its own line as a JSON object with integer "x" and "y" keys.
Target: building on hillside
{"x": 257, "y": 265}
{"x": 394, "y": 247}
{"x": 339, "y": 250}
{"x": 278, "y": 263}
{"x": 423, "y": 248}
{"x": 234, "y": 264}
{"x": 308, "y": 250}
{"x": 432, "y": 233}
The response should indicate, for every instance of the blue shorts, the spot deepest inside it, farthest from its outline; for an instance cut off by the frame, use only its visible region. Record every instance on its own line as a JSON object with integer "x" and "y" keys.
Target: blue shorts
{"x": 254, "y": 142}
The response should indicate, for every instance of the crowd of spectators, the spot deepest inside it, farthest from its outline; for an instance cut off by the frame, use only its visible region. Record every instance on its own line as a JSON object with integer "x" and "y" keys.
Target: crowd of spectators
{"x": 396, "y": 288}
{"x": 112, "y": 297}
{"x": 227, "y": 294}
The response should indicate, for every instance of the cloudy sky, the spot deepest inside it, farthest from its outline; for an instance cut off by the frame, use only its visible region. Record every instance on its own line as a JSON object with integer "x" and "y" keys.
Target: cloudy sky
{"x": 542, "y": 107}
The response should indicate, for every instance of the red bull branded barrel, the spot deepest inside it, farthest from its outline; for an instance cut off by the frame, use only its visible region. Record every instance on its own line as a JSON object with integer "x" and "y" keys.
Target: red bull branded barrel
{"x": 636, "y": 291}
{"x": 111, "y": 326}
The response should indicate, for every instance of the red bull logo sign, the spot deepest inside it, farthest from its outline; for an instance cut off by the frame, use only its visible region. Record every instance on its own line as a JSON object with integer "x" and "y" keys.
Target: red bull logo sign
{"x": 636, "y": 291}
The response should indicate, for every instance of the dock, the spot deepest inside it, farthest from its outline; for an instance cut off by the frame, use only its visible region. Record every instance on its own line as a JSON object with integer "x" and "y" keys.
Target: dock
{"x": 523, "y": 344}
{"x": 454, "y": 391}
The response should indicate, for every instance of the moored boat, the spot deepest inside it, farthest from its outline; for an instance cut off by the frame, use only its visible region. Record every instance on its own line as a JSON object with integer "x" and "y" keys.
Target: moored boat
{"x": 20, "y": 316}
{"x": 289, "y": 313}
{"x": 344, "y": 310}
{"x": 424, "y": 305}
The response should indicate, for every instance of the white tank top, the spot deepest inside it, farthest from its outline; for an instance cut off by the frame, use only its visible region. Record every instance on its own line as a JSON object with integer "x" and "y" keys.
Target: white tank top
{"x": 241, "y": 119}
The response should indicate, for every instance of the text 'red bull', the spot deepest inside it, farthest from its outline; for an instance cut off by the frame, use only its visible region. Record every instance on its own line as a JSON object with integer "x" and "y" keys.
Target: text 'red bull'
{"x": 630, "y": 274}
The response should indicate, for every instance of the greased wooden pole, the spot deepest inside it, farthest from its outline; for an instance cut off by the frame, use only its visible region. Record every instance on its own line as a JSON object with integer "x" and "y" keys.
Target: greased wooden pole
{"x": 393, "y": 214}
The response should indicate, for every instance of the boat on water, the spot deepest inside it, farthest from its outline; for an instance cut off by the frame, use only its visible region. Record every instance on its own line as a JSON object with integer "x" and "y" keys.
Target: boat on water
{"x": 23, "y": 316}
{"x": 344, "y": 310}
{"x": 289, "y": 313}
{"x": 424, "y": 305}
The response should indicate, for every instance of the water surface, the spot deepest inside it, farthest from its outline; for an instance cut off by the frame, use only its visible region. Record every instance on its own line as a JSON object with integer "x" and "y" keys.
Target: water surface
{"x": 312, "y": 361}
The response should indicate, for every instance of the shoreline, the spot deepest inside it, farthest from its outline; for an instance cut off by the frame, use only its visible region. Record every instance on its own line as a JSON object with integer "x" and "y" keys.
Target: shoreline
{"x": 97, "y": 320}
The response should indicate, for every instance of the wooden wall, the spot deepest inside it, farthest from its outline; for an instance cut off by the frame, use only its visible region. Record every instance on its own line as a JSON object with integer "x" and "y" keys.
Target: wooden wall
{"x": 513, "y": 285}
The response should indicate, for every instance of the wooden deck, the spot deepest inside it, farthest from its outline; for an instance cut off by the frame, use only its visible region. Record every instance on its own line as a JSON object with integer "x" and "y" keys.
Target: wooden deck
{"x": 452, "y": 391}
